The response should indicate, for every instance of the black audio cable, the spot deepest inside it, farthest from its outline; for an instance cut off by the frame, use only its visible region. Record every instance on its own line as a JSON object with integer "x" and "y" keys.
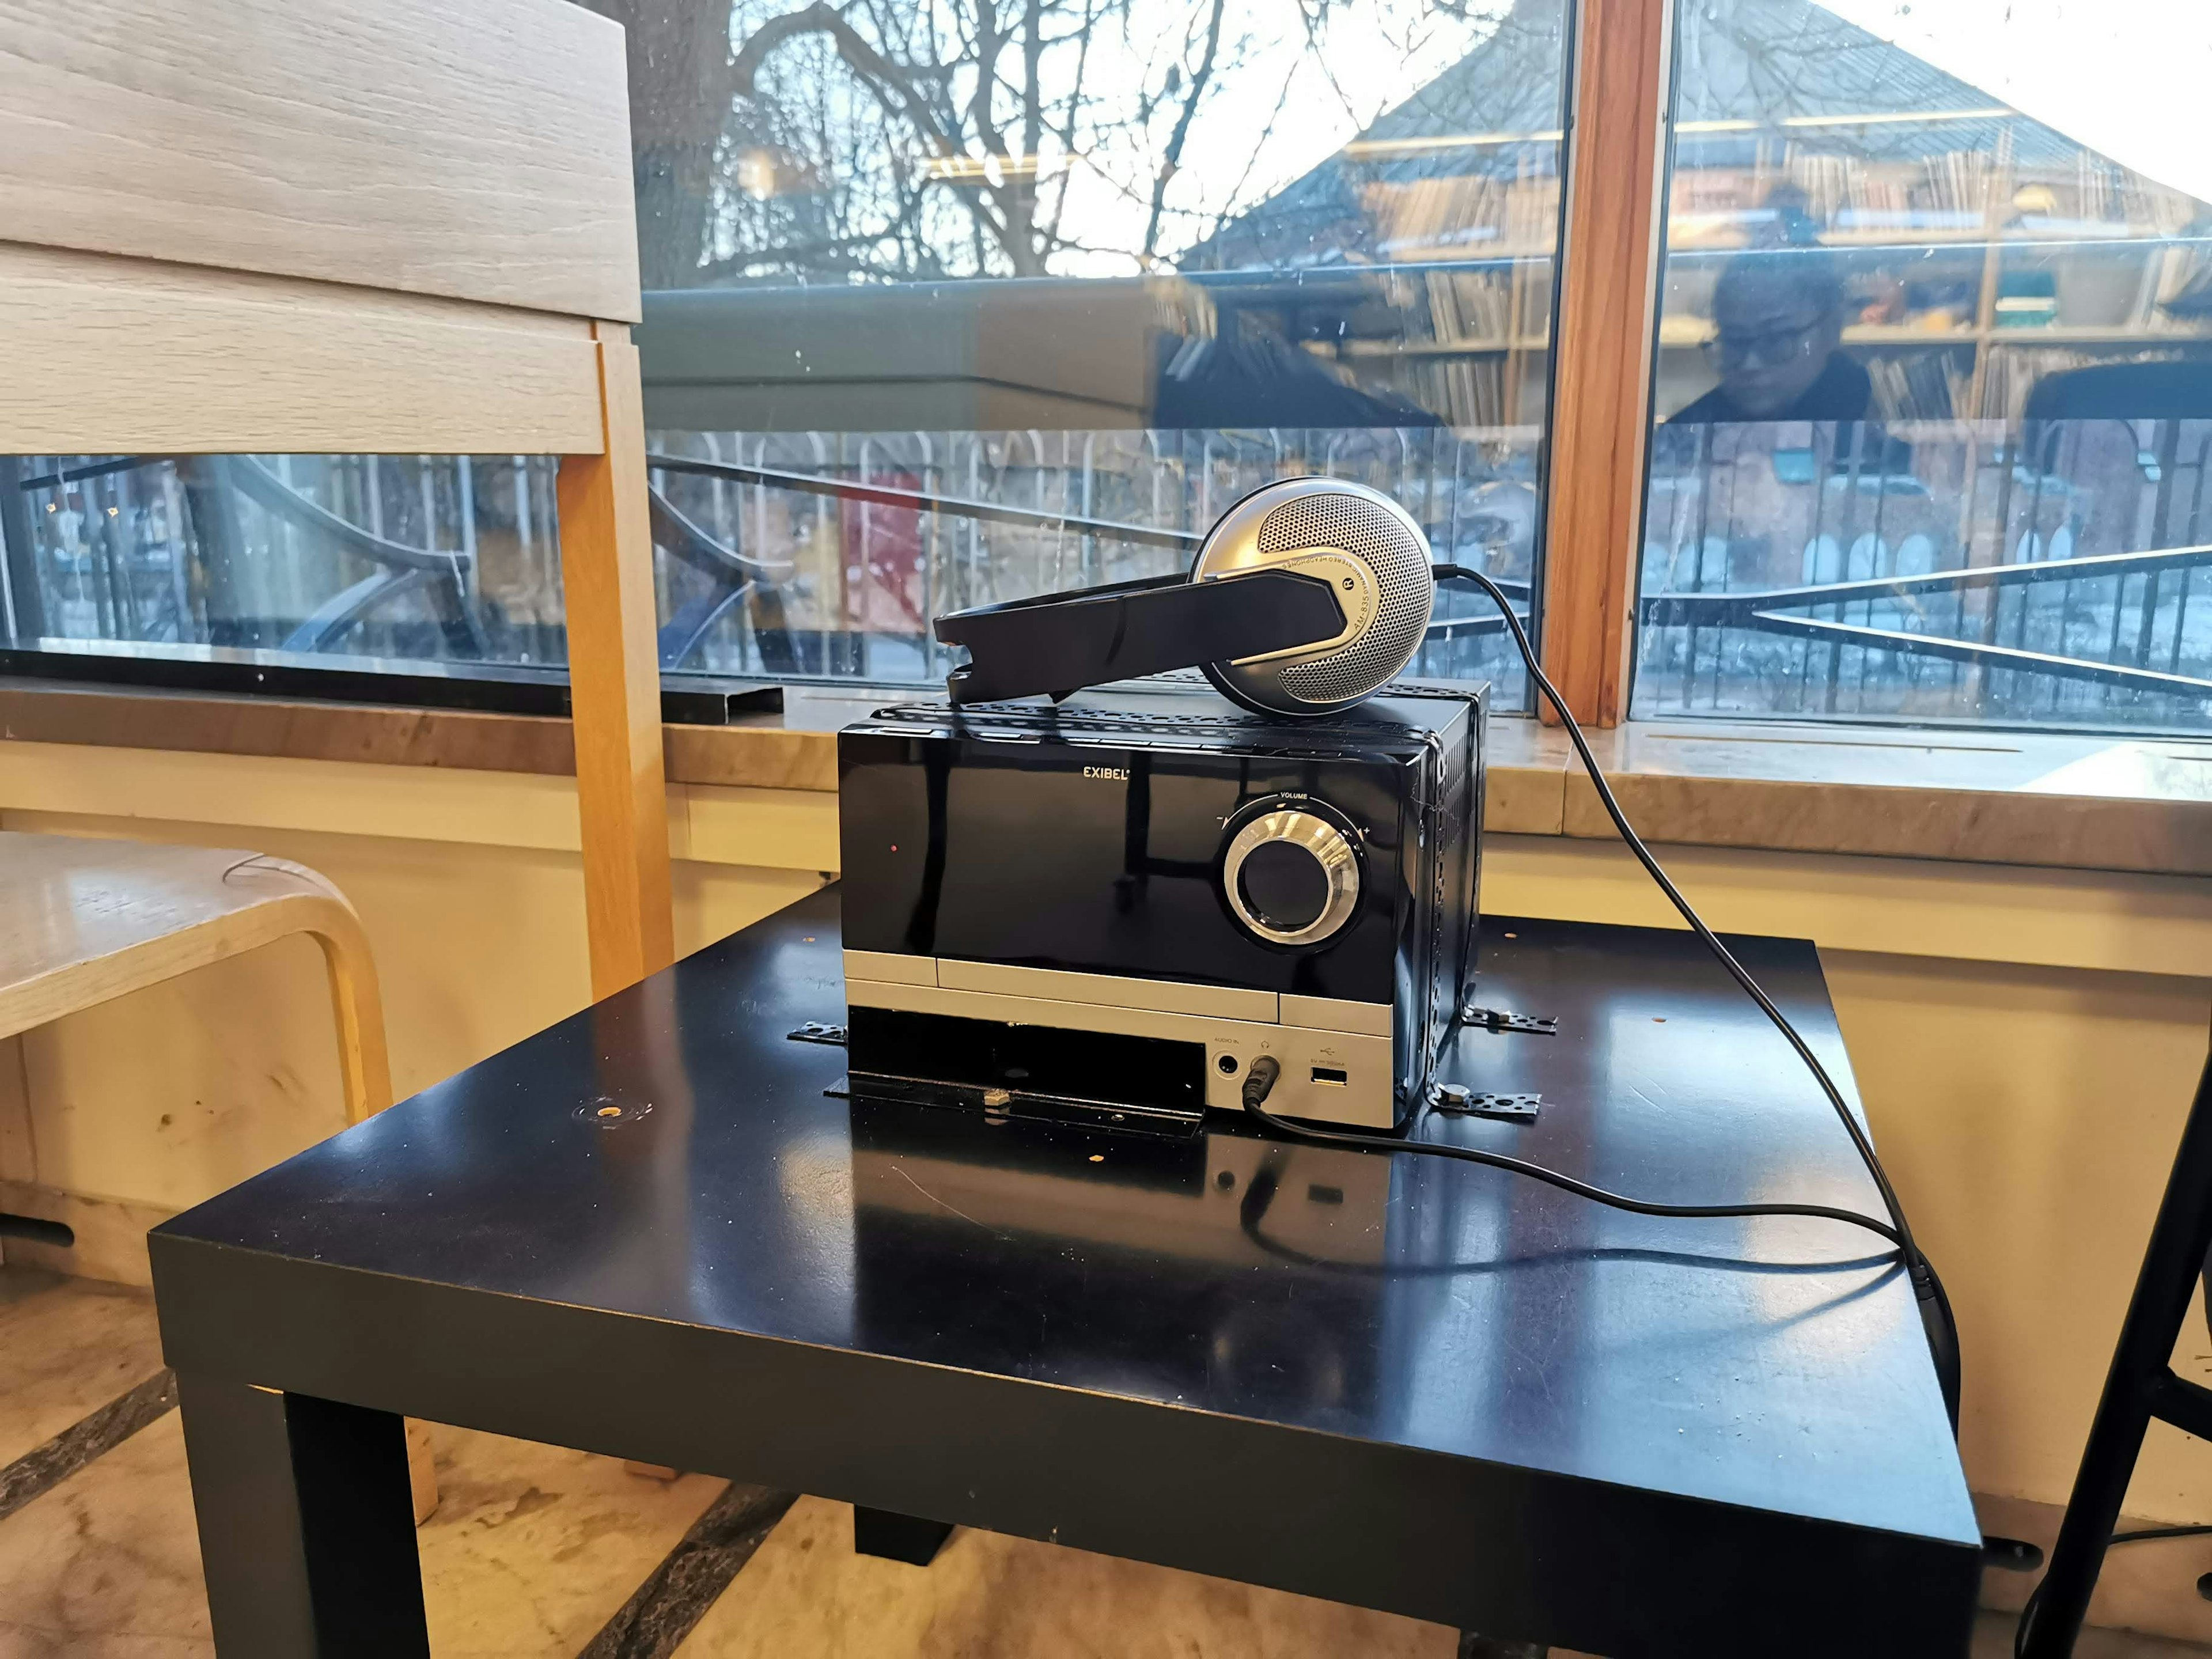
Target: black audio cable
{"x": 1259, "y": 1080}
{"x": 1936, "y": 1318}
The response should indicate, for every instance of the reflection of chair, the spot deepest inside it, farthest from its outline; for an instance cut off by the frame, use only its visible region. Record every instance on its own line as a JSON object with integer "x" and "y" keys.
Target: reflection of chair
{"x": 447, "y": 577}
{"x": 733, "y": 579}
{"x": 2124, "y": 391}
{"x": 209, "y": 483}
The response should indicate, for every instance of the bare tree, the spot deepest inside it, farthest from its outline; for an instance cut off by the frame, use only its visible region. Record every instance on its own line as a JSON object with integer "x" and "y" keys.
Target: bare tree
{"x": 891, "y": 138}
{"x": 972, "y": 90}
{"x": 885, "y": 139}
{"x": 679, "y": 101}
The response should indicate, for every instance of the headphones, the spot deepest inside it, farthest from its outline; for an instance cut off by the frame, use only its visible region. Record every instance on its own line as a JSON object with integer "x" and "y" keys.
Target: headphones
{"x": 1306, "y": 597}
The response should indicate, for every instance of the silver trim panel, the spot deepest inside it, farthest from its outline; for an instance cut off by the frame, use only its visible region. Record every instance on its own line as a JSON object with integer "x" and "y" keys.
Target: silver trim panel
{"x": 891, "y": 968}
{"x": 1334, "y": 1014}
{"x": 1165, "y": 996}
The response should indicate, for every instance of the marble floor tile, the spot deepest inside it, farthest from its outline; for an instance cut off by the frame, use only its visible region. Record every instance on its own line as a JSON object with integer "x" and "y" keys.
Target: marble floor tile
{"x": 533, "y": 1547}
{"x": 67, "y": 1347}
{"x": 107, "y": 1566}
{"x": 531, "y": 1550}
{"x": 807, "y": 1595}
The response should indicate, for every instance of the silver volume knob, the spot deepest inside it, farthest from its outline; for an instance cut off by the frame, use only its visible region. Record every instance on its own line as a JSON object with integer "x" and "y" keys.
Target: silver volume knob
{"x": 1291, "y": 876}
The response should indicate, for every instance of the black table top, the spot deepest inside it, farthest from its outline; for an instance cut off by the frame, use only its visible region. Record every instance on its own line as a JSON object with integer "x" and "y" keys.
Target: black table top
{"x": 1409, "y": 1381}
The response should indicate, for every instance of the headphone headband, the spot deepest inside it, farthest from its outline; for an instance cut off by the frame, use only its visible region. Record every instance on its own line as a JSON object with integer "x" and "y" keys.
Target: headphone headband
{"x": 1057, "y": 645}
{"x": 1260, "y": 610}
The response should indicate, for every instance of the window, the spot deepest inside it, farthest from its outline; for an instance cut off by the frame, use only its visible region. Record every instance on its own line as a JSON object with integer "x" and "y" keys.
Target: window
{"x": 946, "y": 305}
{"x": 242, "y": 565}
{"x": 966, "y": 302}
{"x": 1934, "y": 373}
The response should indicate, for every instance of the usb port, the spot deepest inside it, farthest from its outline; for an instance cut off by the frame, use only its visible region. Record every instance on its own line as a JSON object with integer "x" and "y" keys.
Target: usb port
{"x": 1335, "y": 1074}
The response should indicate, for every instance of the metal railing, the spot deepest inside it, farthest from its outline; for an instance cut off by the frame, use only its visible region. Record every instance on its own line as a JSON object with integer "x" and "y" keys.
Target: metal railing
{"x": 879, "y": 532}
{"x": 782, "y": 555}
{"x": 1942, "y": 572}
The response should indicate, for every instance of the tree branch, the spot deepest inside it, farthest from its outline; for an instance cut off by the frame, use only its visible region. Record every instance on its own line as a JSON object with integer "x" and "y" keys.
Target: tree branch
{"x": 822, "y": 18}
{"x": 1173, "y": 159}
{"x": 893, "y": 83}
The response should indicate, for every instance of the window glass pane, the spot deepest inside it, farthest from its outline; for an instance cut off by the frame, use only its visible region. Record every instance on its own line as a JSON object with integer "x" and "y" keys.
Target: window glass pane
{"x": 964, "y": 302}
{"x": 947, "y": 304}
{"x": 284, "y": 560}
{"x": 1935, "y": 366}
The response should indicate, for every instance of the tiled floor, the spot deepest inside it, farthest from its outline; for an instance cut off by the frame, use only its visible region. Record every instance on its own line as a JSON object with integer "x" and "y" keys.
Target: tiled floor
{"x": 67, "y": 1347}
{"x": 534, "y": 1549}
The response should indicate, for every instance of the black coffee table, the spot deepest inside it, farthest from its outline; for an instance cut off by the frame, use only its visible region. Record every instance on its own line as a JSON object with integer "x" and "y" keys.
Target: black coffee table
{"x": 1406, "y": 1383}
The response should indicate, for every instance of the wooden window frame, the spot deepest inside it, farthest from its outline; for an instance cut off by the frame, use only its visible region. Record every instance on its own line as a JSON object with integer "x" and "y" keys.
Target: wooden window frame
{"x": 1600, "y": 412}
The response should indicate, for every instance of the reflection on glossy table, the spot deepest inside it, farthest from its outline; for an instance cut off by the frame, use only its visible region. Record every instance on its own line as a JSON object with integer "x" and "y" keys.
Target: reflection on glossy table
{"x": 1412, "y": 1384}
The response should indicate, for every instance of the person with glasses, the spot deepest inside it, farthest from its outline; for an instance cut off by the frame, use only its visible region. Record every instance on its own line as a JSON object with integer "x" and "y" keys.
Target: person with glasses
{"x": 1777, "y": 344}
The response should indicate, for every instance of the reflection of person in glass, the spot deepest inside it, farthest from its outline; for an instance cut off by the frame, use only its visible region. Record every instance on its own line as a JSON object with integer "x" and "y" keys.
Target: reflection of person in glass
{"x": 1777, "y": 335}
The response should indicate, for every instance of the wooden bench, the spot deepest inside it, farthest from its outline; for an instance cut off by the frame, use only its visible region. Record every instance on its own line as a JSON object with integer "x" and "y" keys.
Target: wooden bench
{"x": 84, "y": 922}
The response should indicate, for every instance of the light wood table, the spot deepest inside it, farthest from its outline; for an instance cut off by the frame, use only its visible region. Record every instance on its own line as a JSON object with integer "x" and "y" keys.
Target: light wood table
{"x": 84, "y": 922}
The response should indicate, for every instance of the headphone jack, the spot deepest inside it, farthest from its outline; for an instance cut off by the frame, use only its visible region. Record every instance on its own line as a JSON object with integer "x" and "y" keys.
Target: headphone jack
{"x": 1259, "y": 1080}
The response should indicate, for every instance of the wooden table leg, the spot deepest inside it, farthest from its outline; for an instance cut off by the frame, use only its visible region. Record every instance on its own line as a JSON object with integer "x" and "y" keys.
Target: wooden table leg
{"x": 306, "y": 1526}
{"x": 421, "y": 1471}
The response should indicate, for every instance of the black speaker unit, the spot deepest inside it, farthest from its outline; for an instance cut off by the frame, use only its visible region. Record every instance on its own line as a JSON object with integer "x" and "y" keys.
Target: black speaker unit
{"x": 1115, "y": 906}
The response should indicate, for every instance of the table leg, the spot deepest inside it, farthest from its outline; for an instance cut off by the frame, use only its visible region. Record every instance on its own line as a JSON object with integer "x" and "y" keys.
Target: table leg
{"x": 306, "y": 1526}
{"x": 898, "y": 1537}
{"x": 1471, "y": 1646}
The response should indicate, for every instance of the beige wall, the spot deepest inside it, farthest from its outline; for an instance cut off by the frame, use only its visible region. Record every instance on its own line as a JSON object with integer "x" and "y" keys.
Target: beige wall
{"x": 2026, "y": 1041}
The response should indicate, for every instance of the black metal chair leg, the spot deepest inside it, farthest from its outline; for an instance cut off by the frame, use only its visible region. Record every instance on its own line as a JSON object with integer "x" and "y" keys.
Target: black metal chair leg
{"x": 2140, "y": 1386}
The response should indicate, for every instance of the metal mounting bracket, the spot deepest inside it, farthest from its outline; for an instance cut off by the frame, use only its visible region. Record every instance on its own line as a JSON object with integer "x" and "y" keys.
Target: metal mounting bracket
{"x": 1460, "y": 1100}
{"x": 1498, "y": 1019}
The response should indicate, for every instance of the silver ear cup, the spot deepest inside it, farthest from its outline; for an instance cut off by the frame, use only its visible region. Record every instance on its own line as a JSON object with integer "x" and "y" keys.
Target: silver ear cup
{"x": 1376, "y": 558}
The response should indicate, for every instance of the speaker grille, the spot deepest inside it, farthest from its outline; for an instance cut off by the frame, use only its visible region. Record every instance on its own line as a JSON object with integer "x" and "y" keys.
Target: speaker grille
{"x": 1405, "y": 586}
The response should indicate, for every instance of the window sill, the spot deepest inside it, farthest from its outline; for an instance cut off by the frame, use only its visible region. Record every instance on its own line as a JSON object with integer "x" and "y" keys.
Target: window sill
{"x": 2088, "y": 802}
